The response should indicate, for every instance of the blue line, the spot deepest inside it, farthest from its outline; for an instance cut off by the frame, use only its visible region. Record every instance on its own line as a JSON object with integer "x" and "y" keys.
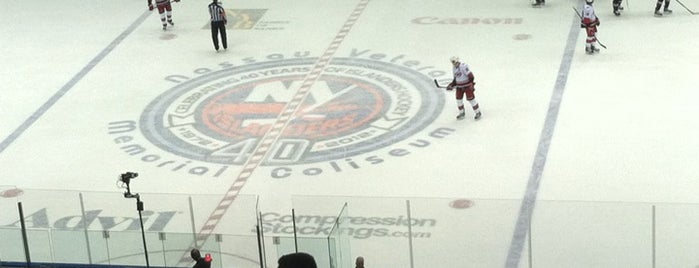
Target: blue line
{"x": 525, "y": 213}
{"x": 68, "y": 86}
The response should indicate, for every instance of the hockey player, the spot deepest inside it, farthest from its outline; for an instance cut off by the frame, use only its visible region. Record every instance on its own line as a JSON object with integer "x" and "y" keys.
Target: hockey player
{"x": 463, "y": 82}
{"x": 590, "y": 22}
{"x": 666, "y": 9}
{"x": 165, "y": 10}
{"x": 616, "y": 4}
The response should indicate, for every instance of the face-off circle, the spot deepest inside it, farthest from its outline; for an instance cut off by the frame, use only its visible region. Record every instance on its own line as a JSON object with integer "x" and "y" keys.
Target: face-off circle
{"x": 461, "y": 203}
{"x": 11, "y": 193}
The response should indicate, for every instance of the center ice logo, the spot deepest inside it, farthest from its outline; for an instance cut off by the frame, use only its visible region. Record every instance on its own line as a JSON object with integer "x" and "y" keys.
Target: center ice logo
{"x": 356, "y": 106}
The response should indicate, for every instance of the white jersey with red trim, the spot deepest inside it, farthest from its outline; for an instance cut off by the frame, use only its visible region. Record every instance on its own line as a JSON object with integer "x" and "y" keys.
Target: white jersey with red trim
{"x": 588, "y": 14}
{"x": 161, "y": 3}
{"x": 462, "y": 74}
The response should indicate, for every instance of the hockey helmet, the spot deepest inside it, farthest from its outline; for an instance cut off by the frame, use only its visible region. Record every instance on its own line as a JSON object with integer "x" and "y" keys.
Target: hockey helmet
{"x": 589, "y": 1}
{"x": 454, "y": 59}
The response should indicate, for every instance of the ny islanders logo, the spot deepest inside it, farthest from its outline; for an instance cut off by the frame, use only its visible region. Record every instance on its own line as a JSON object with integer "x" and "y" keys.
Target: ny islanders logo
{"x": 356, "y": 106}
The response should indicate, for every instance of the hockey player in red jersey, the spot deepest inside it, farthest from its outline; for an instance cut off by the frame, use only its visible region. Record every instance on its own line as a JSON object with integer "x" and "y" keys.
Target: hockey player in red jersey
{"x": 464, "y": 84}
{"x": 590, "y": 22}
{"x": 165, "y": 11}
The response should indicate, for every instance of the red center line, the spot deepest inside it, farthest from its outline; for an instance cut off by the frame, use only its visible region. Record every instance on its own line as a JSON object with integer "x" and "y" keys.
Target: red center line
{"x": 275, "y": 131}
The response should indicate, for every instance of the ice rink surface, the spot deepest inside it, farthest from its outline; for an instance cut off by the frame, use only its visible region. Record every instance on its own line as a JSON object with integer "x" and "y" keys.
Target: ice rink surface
{"x": 335, "y": 98}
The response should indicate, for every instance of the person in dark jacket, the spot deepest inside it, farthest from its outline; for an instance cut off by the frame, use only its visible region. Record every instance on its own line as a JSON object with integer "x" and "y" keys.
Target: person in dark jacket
{"x": 201, "y": 262}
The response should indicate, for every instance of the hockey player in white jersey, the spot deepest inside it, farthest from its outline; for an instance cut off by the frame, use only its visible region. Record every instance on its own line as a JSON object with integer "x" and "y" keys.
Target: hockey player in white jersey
{"x": 464, "y": 83}
{"x": 165, "y": 11}
{"x": 590, "y": 22}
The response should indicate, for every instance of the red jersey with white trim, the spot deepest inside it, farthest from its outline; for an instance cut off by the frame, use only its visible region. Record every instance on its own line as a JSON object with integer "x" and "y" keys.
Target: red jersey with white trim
{"x": 462, "y": 74}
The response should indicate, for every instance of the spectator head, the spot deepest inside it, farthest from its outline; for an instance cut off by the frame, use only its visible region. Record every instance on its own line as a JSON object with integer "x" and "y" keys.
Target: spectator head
{"x": 297, "y": 260}
{"x": 196, "y": 255}
{"x": 359, "y": 262}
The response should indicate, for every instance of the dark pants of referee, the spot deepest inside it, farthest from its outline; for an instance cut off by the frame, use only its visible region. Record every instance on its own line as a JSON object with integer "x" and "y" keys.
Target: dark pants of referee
{"x": 216, "y": 28}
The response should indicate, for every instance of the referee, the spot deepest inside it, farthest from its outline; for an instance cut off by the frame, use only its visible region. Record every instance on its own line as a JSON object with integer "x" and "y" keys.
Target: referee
{"x": 218, "y": 24}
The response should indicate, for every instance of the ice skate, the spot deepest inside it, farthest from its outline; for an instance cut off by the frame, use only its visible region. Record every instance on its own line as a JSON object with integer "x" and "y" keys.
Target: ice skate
{"x": 658, "y": 13}
{"x": 594, "y": 49}
{"x": 461, "y": 116}
{"x": 171, "y": 23}
{"x": 478, "y": 116}
{"x": 164, "y": 27}
{"x": 617, "y": 10}
{"x": 589, "y": 50}
{"x": 539, "y": 3}
{"x": 667, "y": 11}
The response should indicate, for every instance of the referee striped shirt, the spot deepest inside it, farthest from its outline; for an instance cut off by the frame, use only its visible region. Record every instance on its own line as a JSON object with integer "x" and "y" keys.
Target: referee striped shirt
{"x": 217, "y": 12}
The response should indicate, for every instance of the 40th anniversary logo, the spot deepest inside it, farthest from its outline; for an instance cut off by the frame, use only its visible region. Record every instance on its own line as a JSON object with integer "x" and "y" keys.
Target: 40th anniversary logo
{"x": 216, "y": 117}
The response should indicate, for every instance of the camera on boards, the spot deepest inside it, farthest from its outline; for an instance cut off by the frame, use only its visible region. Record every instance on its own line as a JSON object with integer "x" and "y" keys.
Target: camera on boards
{"x": 126, "y": 177}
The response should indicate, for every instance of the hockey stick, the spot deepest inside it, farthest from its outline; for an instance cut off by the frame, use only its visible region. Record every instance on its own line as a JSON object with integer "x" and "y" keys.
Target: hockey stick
{"x": 438, "y": 85}
{"x": 577, "y": 13}
{"x": 447, "y": 87}
{"x": 580, "y": 16}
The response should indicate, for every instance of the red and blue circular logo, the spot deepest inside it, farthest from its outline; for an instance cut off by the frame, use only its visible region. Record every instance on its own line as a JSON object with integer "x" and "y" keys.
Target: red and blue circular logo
{"x": 354, "y": 107}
